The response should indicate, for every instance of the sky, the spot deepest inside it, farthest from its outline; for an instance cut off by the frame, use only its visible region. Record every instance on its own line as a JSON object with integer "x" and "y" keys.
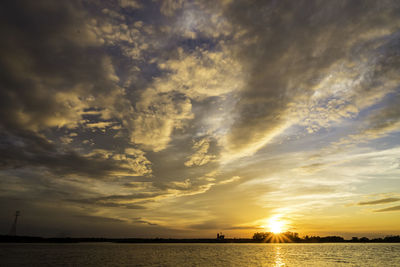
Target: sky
{"x": 173, "y": 118}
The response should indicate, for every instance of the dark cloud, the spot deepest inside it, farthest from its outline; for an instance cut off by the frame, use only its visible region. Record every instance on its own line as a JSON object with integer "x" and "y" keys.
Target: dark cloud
{"x": 51, "y": 63}
{"x": 108, "y": 204}
{"x": 380, "y": 201}
{"x": 119, "y": 201}
{"x": 395, "y": 208}
{"x": 127, "y": 197}
{"x": 140, "y": 220}
{"x": 48, "y": 53}
{"x": 26, "y": 149}
{"x": 98, "y": 219}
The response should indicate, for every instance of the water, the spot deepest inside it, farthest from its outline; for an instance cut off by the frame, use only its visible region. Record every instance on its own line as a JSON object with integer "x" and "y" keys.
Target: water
{"x": 109, "y": 254}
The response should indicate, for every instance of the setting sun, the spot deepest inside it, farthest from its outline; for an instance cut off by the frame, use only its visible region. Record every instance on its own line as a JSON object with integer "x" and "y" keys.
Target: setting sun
{"x": 276, "y": 226}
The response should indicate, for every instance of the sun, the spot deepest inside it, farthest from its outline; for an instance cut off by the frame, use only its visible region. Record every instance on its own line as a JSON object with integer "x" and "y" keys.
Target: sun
{"x": 276, "y": 226}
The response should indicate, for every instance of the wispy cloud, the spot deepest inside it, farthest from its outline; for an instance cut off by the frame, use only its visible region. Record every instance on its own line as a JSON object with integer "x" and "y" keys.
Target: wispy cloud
{"x": 395, "y": 208}
{"x": 379, "y": 201}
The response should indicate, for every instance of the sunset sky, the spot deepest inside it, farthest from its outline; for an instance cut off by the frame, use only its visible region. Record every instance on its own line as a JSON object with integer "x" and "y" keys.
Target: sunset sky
{"x": 172, "y": 118}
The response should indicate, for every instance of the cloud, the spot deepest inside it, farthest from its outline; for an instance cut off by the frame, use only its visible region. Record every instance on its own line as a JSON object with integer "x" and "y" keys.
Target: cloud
{"x": 119, "y": 199}
{"x": 196, "y": 20}
{"x": 132, "y": 162}
{"x": 168, "y": 7}
{"x": 140, "y": 220}
{"x": 231, "y": 180}
{"x": 395, "y": 208}
{"x": 200, "y": 157}
{"x": 106, "y": 204}
{"x": 380, "y": 201}
{"x": 60, "y": 77}
{"x": 69, "y": 83}
{"x": 298, "y": 73}
{"x": 191, "y": 80}
{"x": 135, "y": 201}
{"x": 100, "y": 125}
{"x": 311, "y": 168}
{"x": 28, "y": 150}
{"x": 98, "y": 219}
{"x": 158, "y": 114}
{"x": 379, "y": 123}
{"x": 130, "y": 4}
{"x": 188, "y": 187}
{"x": 146, "y": 194}
{"x": 201, "y": 73}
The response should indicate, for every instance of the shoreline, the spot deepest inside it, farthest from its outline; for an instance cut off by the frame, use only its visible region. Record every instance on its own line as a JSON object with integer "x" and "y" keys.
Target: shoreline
{"x": 33, "y": 239}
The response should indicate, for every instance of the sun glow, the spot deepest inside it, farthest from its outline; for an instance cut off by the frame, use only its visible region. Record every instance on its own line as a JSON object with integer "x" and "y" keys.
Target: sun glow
{"x": 276, "y": 226}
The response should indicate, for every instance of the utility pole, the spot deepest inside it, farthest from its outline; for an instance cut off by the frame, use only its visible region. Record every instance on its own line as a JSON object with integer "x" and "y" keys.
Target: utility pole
{"x": 13, "y": 230}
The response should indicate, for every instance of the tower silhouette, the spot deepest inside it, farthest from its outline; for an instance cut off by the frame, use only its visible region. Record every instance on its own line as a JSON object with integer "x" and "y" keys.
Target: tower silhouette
{"x": 13, "y": 230}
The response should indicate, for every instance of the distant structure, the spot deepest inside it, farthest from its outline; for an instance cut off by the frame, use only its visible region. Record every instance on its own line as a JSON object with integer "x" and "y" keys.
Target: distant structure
{"x": 13, "y": 230}
{"x": 220, "y": 236}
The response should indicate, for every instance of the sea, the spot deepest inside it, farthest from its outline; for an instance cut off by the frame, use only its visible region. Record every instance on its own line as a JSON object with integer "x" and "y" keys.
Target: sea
{"x": 114, "y": 254}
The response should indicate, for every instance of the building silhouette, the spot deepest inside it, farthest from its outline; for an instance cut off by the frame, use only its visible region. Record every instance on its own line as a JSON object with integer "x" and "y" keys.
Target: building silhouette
{"x": 220, "y": 236}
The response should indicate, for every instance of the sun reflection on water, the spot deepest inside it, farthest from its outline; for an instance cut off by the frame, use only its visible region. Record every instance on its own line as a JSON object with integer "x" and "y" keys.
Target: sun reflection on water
{"x": 278, "y": 257}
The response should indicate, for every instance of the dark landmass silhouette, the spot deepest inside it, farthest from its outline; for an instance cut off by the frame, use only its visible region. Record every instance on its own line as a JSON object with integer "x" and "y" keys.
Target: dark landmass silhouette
{"x": 290, "y": 237}
{"x": 264, "y": 237}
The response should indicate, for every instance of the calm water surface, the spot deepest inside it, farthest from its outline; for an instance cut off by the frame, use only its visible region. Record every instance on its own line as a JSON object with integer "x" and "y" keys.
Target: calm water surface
{"x": 109, "y": 254}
